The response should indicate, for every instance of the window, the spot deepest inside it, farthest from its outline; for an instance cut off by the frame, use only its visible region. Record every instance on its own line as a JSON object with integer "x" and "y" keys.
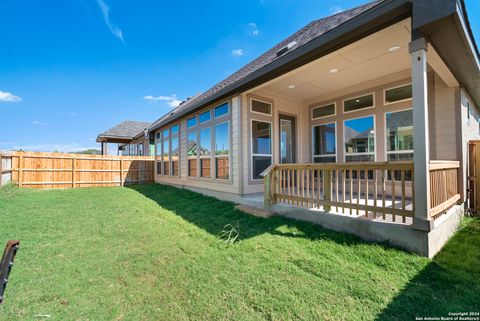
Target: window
{"x": 205, "y": 152}
{"x": 323, "y": 111}
{"x": 166, "y": 154}
{"x": 324, "y": 143}
{"x": 261, "y": 107}
{"x": 158, "y": 135}
{"x": 192, "y": 153}
{"x": 221, "y": 110}
{"x": 174, "y": 156}
{"x": 468, "y": 110}
{"x": 204, "y": 117}
{"x": 159, "y": 168}
{"x": 358, "y": 103}
{"x": 359, "y": 138}
{"x": 222, "y": 150}
{"x": 140, "y": 149}
{"x": 261, "y": 147}
{"x": 399, "y": 135}
{"x": 192, "y": 122}
{"x": 174, "y": 130}
{"x": 398, "y": 94}
{"x": 166, "y": 133}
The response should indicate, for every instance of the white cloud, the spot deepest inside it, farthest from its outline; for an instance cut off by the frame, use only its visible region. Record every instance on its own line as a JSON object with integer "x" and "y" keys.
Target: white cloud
{"x": 9, "y": 97}
{"x": 336, "y": 9}
{"x": 253, "y": 29}
{"x": 237, "y": 52}
{"x": 39, "y": 123}
{"x": 172, "y": 101}
{"x": 117, "y": 32}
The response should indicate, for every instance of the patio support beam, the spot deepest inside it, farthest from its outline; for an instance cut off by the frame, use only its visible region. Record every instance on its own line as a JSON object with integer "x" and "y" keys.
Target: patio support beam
{"x": 418, "y": 52}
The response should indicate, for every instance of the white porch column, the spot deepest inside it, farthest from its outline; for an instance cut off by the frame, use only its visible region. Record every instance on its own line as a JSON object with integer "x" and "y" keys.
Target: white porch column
{"x": 421, "y": 158}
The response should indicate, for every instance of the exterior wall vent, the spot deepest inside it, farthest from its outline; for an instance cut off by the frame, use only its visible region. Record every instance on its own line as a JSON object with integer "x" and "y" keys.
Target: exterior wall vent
{"x": 286, "y": 48}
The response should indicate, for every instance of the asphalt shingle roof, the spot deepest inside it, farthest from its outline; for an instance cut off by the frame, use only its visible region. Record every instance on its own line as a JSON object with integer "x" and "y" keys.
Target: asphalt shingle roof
{"x": 308, "y": 33}
{"x": 127, "y": 129}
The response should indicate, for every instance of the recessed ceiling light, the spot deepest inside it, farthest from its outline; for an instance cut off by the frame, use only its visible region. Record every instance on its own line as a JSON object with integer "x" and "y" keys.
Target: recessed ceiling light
{"x": 394, "y": 48}
{"x": 292, "y": 87}
{"x": 332, "y": 71}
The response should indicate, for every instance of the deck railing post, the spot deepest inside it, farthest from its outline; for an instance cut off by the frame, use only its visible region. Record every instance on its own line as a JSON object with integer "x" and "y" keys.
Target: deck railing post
{"x": 267, "y": 192}
{"x": 327, "y": 189}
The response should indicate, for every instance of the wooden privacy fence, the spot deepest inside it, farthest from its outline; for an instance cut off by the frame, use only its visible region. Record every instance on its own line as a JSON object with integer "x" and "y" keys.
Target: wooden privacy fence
{"x": 374, "y": 189}
{"x": 56, "y": 170}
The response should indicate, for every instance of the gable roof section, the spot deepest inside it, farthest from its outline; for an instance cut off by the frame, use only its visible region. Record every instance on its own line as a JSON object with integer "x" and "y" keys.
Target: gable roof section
{"x": 125, "y": 130}
{"x": 304, "y": 36}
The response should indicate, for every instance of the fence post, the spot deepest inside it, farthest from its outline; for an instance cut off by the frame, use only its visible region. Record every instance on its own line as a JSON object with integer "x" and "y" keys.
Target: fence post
{"x": 74, "y": 165}
{"x": 20, "y": 170}
{"x": 121, "y": 171}
{"x": 327, "y": 189}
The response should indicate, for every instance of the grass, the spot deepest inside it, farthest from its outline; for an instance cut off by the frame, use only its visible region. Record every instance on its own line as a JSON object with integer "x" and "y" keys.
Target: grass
{"x": 152, "y": 253}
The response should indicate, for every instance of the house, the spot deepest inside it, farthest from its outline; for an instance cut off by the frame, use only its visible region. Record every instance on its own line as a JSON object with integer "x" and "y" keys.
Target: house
{"x": 359, "y": 122}
{"x": 129, "y": 136}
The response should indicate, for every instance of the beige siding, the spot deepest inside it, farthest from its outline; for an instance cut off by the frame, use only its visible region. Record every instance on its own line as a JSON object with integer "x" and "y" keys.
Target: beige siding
{"x": 443, "y": 125}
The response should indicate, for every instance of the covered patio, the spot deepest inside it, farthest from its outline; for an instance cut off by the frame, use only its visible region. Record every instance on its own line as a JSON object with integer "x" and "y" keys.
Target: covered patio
{"x": 340, "y": 138}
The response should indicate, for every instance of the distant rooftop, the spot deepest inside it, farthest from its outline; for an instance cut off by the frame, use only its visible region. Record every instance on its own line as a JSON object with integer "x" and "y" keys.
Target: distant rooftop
{"x": 126, "y": 130}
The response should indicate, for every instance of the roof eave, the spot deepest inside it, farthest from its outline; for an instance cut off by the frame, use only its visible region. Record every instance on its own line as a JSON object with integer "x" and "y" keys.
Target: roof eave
{"x": 366, "y": 23}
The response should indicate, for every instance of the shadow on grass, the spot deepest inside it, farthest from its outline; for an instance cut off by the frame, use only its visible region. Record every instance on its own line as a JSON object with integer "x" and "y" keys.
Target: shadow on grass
{"x": 212, "y": 215}
{"x": 449, "y": 283}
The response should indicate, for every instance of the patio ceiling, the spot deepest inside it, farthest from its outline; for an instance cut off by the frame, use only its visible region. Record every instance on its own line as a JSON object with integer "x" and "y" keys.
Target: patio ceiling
{"x": 376, "y": 56}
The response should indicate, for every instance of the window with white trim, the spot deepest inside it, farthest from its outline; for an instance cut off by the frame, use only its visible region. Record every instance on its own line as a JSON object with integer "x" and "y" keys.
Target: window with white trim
{"x": 359, "y": 139}
{"x": 324, "y": 143}
{"x": 323, "y": 111}
{"x": 260, "y": 107}
{"x": 358, "y": 103}
{"x": 174, "y": 150}
{"x": 192, "y": 153}
{"x": 399, "y": 134}
{"x": 261, "y": 147}
{"x": 166, "y": 152}
{"x": 398, "y": 94}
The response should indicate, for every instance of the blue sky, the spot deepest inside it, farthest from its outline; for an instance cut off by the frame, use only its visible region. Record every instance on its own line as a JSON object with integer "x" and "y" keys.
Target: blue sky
{"x": 70, "y": 69}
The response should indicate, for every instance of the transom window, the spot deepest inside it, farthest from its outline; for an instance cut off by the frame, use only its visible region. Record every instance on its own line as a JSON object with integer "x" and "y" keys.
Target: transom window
{"x": 324, "y": 143}
{"x": 192, "y": 122}
{"x": 358, "y": 103}
{"x": 221, "y": 110}
{"x": 260, "y": 107}
{"x": 399, "y": 133}
{"x": 261, "y": 147}
{"x": 323, "y": 111}
{"x": 359, "y": 138}
{"x": 204, "y": 117}
{"x": 398, "y": 94}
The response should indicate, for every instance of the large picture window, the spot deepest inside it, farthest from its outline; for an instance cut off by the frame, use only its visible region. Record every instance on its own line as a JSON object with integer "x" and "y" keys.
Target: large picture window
{"x": 205, "y": 152}
{"x": 222, "y": 150}
{"x": 359, "y": 138}
{"x": 174, "y": 156}
{"x": 166, "y": 154}
{"x": 324, "y": 143}
{"x": 261, "y": 147}
{"x": 399, "y": 135}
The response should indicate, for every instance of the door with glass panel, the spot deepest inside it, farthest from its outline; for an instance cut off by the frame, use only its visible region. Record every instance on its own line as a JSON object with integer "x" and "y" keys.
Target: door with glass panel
{"x": 287, "y": 139}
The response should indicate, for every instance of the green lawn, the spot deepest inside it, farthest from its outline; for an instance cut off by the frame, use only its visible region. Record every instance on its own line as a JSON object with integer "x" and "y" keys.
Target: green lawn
{"x": 150, "y": 253}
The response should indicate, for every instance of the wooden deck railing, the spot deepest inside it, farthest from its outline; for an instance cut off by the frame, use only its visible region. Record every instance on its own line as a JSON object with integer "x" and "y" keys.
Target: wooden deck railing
{"x": 56, "y": 170}
{"x": 444, "y": 187}
{"x": 379, "y": 190}
{"x": 373, "y": 189}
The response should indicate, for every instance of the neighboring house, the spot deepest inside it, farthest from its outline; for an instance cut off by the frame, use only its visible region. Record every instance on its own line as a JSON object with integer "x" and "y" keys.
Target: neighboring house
{"x": 130, "y": 137}
{"x": 388, "y": 81}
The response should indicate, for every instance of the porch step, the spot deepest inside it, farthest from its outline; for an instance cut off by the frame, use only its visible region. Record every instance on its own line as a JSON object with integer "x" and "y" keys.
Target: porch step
{"x": 255, "y": 211}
